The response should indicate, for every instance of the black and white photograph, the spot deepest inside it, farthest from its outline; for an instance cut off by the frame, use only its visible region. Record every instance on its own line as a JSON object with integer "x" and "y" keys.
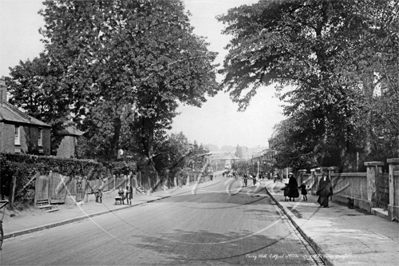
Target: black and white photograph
{"x": 199, "y": 132}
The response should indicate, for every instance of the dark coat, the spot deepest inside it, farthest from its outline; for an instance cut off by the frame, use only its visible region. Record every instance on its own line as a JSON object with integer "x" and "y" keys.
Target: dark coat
{"x": 303, "y": 189}
{"x": 285, "y": 189}
{"x": 324, "y": 189}
{"x": 293, "y": 188}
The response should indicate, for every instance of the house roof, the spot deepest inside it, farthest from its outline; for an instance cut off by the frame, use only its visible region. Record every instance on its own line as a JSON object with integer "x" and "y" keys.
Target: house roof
{"x": 9, "y": 113}
{"x": 71, "y": 131}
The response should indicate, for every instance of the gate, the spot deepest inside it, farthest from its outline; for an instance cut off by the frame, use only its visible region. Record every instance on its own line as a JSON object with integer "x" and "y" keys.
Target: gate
{"x": 80, "y": 189}
{"x": 50, "y": 189}
{"x": 42, "y": 190}
{"x": 382, "y": 190}
{"x": 58, "y": 188}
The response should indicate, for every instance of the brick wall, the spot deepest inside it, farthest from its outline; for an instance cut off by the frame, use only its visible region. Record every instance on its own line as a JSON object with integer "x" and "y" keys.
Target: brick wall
{"x": 7, "y": 138}
{"x": 46, "y": 140}
{"x": 28, "y": 139}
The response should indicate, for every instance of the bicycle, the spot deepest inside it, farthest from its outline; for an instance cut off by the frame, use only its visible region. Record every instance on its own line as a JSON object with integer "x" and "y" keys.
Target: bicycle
{"x": 3, "y": 204}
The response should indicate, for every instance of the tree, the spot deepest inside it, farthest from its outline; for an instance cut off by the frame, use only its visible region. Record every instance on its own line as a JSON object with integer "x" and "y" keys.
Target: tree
{"x": 124, "y": 61}
{"x": 238, "y": 152}
{"x": 35, "y": 87}
{"x": 373, "y": 63}
{"x": 303, "y": 44}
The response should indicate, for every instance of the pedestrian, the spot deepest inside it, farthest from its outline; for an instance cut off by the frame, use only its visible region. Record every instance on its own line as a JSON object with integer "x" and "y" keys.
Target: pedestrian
{"x": 245, "y": 180}
{"x": 304, "y": 192}
{"x": 129, "y": 194}
{"x": 292, "y": 187}
{"x": 99, "y": 195}
{"x": 277, "y": 178}
{"x": 324, "y": 190}
{"x": 121, "y": 194}
{"x": 285, "y": 191}
{"x": 254, "y": 180}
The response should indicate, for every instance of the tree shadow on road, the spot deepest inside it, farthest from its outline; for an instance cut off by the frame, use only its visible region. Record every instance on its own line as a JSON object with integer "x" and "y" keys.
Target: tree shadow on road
{"x": 220, "y": 200}
{"x": 205, "y": 247}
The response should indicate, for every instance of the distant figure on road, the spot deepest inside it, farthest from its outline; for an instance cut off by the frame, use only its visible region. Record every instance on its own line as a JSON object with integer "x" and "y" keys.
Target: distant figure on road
{"x": 245, "y": 180}
{"x": 304, "y": 192}
{"x": 292, "y": 187}
{"x": 277, "y": 177}
{"x": 254, "y": 179}
{"x": 324, "y": 190}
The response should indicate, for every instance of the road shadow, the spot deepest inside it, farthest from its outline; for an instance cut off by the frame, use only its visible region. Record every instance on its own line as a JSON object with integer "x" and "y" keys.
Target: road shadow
{"x": 241, "y": 198}
{"x": 209, "y": 248}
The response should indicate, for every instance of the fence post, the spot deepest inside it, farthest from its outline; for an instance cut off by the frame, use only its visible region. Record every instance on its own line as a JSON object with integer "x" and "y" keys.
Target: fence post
{"x": 393, "y": 210}
{"x": 13, "y": 186}
{"x": 373, "y": 168}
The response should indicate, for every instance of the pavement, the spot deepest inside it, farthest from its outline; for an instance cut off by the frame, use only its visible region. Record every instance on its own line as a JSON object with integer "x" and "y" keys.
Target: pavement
{"x": 340, "y": 236}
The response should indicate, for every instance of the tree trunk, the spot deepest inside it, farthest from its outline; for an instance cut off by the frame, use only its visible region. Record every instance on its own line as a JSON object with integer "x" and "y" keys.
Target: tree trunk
{"x": 368, "y": 90}
{"x": 115, "y": 140}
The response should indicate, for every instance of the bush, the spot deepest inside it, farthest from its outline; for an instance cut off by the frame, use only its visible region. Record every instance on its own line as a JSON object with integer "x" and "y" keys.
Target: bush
{"x": 24, "y": 167}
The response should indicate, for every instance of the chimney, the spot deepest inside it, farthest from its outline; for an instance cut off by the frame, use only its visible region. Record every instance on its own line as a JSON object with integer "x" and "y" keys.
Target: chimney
{"x": 3, "y": 91}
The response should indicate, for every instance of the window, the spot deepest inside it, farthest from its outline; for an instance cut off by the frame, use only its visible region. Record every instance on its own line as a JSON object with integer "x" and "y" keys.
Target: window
{"x": 40, "y": 138}
{"x": 17, "y": 135}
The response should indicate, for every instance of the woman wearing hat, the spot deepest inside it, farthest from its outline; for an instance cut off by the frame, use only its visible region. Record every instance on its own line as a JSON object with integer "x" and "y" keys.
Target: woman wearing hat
{"x": 324, "y": 190}
{"x": 292, "y": 187}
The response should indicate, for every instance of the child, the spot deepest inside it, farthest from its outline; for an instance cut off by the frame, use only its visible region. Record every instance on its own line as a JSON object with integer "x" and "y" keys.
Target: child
{"x": 304, "y": 192}
{"x": 99, "y": 196}
{"x": 285, "y": 192}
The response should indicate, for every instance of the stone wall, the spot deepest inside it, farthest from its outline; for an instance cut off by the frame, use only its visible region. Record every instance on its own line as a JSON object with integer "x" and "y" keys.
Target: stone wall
{"x": 7, "y": 138}
{"x": 396, "y": 187}
{"x": 393, "y": 207}
{"x": 366, "y": 189}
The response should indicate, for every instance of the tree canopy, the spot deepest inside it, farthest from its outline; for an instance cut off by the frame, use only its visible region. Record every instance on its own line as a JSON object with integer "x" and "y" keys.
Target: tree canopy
{"x": 333, "y": 54}
{"x": 118, "y": 69}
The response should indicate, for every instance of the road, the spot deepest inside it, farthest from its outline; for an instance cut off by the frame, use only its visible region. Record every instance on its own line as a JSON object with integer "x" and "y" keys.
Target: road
{"x": 211, "y": 227}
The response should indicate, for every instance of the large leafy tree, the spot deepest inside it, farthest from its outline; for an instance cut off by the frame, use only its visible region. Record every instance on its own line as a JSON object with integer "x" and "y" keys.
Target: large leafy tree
{"x": 126, "y": 65}
{"x": 372, "y": 63}
{"x": 304, "y": 44}
{"x": 35, "y": 87}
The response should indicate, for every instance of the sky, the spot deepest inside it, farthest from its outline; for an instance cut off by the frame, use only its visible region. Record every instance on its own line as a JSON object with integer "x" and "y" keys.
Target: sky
{"x": 217, "y": 121}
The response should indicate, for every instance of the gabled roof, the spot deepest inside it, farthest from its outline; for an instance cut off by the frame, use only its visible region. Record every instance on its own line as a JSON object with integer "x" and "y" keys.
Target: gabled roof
{"x": 71, "y": 131}
{"x": 9, "y": 113}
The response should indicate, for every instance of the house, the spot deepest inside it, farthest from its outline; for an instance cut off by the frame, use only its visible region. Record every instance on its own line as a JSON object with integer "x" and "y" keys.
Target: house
{"x": 19, "y": 132}
{"x": 68, "y": 143}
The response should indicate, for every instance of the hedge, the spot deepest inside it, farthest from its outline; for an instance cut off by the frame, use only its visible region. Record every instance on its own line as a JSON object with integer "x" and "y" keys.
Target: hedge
{"x": 24, "y": 167}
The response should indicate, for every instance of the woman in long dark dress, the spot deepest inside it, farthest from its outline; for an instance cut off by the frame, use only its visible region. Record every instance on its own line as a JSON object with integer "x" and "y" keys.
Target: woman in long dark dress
{"x": 292, "y": 187}
{"x": 324, "y": 190}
